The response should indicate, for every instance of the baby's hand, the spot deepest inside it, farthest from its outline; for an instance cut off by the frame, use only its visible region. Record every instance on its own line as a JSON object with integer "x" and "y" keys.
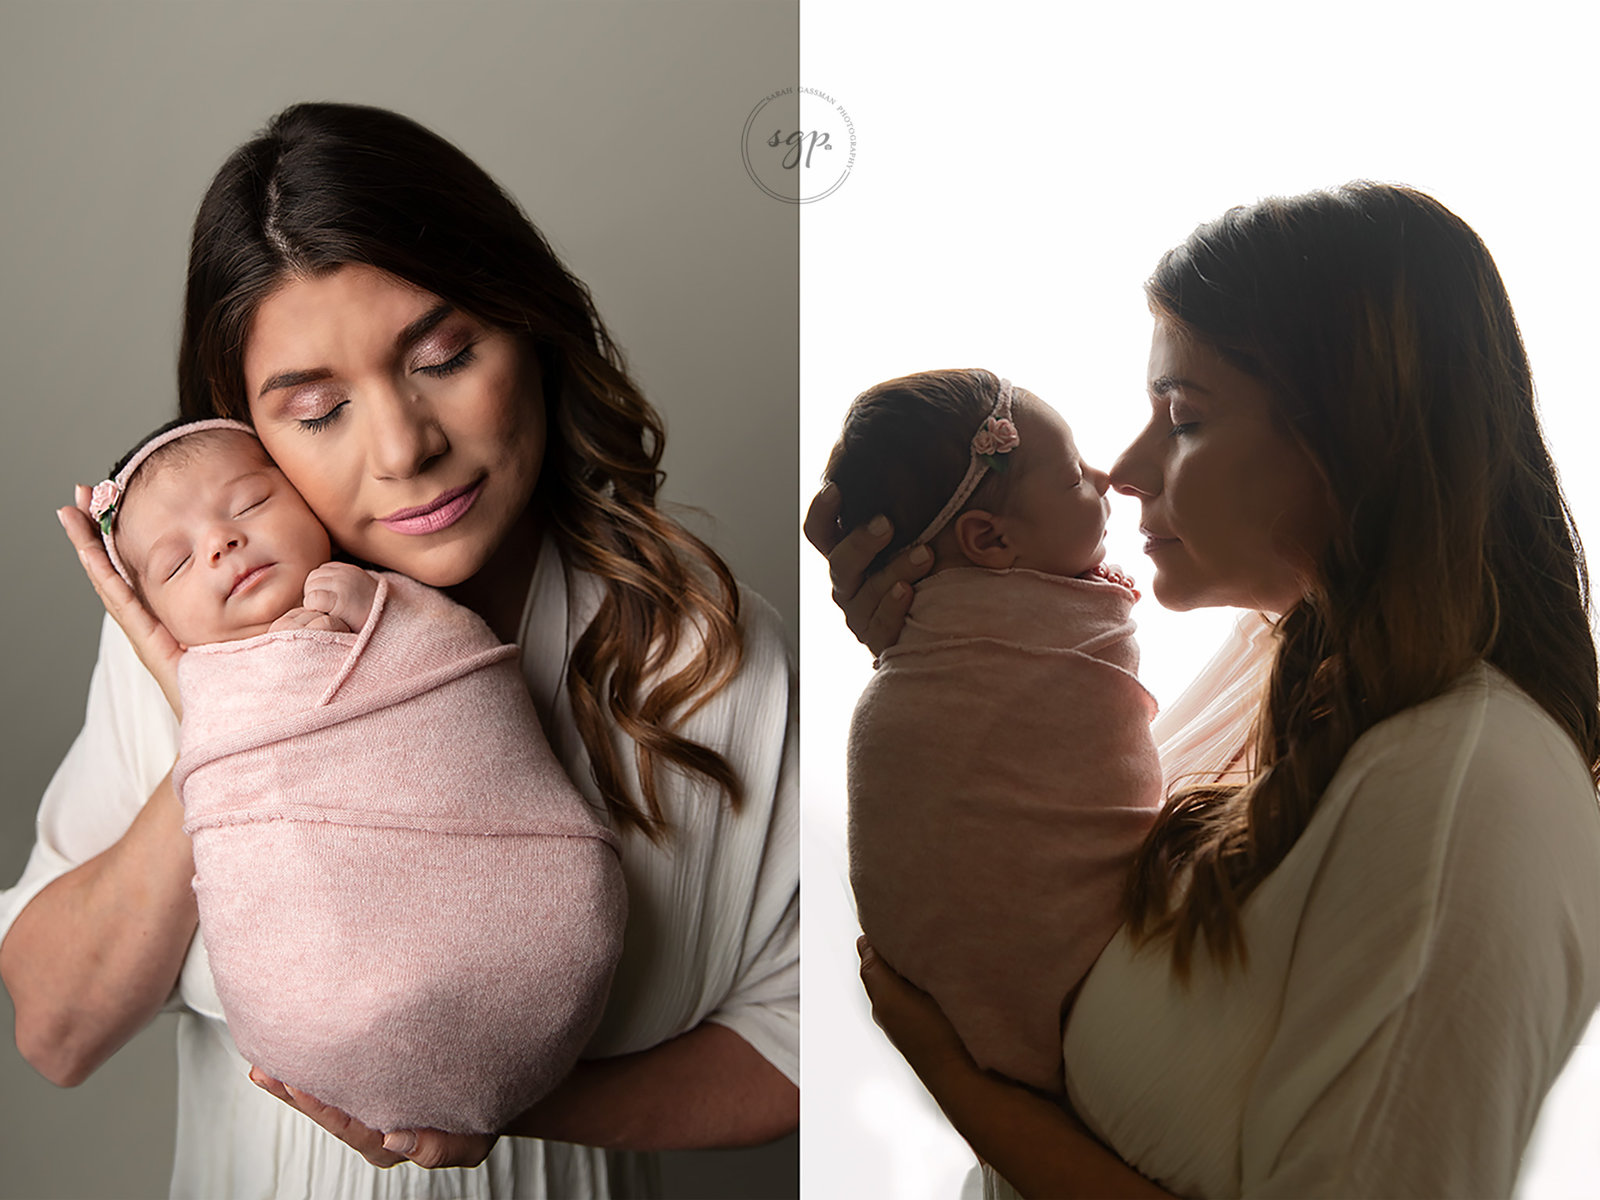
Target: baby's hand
{"x": 343, "y": 591}
{"x": 307, "y": 618}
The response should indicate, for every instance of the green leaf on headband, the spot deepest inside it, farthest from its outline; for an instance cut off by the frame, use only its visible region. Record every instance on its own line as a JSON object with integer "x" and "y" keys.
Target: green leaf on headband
{"x": 106, "y": 518}
{"x": 996, "y": 462}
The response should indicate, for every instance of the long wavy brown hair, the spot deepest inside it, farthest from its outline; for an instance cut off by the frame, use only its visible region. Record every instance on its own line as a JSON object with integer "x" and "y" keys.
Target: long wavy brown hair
{"x": 1379, "y": 322}
{"x": 325, "y": 185}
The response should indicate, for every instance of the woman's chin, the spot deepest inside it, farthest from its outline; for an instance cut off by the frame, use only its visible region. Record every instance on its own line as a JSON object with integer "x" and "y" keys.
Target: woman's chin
{"x": 438, "y": 566}
{"x": 1171, "y": 594}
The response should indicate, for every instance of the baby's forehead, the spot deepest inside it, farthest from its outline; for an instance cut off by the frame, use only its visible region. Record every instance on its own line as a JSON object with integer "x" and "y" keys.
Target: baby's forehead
{"x": 1029, "y": 409}
{"x": 211, "y": 452}
{"x": 192, "y": 468}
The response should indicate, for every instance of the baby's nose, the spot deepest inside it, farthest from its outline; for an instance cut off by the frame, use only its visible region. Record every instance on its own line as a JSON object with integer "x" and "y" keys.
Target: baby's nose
{"x": 226, "y": 543}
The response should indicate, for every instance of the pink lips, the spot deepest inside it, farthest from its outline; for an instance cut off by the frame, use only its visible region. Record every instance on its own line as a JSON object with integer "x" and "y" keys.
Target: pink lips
{"x": 1152, "y": 542}
{"x": 441, "y": 512}
{"x": 249, "y": 579}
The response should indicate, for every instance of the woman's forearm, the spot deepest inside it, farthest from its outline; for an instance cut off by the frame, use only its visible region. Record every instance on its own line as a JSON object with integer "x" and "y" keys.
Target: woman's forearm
{"x": 1040, "y": 1149}
{"x": 93, "y": 957}
{"x": 705, "y": 1088}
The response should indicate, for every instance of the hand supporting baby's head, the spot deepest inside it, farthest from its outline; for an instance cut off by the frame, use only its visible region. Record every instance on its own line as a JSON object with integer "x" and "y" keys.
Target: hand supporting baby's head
{"x": 209, "y": 533}
{"x": 984, "y": 474}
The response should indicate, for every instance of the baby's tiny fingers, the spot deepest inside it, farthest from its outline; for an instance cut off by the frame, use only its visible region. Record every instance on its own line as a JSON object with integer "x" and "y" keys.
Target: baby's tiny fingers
{"x": 308, "y": 618}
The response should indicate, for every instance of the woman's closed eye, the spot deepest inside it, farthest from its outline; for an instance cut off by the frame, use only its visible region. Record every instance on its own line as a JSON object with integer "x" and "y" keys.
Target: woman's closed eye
{"x": 449, "y": 366}
{"x": 318, "y": 424}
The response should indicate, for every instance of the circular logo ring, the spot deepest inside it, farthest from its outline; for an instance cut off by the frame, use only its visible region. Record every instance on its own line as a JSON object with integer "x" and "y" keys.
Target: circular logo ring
{"x": 809, "y": 151}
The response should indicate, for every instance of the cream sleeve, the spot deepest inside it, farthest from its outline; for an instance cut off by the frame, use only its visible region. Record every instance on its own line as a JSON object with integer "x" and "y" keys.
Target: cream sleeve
{"x": 1446, "y": 962}
{"x": 128, "y": 742}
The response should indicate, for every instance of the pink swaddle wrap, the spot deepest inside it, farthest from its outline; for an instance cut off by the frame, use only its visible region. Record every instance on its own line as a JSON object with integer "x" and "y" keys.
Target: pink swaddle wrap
{"x": 409, "y": 910}
{"x": 1002, "y": 775}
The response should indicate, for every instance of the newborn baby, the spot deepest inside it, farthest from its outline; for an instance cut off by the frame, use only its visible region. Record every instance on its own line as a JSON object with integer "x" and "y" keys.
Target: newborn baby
{"x": 409, "y": 911}
{"x": 1002, "y": 772}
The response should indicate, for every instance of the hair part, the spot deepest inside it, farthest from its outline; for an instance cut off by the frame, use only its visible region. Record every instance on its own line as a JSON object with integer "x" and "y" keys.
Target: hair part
{"x": 328, "y": 185}
{"x": 1379, "y": 322}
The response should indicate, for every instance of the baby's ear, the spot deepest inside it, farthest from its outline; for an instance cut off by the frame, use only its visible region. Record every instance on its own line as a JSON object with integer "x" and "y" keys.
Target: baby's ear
{"x": 983, "y": 540}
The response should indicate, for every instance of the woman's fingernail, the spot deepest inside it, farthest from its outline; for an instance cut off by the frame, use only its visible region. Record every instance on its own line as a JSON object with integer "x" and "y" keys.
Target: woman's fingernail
{"x": 920, "y": 555}
{"x": 401, "y": 1141}
{"x": 900, "y": 591}
{"x": 878, "y": 526}
{"x": 61, "y": 516}
{"x": 861, "y": 944}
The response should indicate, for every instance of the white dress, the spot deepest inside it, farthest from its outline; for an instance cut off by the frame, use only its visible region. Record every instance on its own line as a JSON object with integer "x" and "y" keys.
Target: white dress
{"x": 1420, "y": 965}
{"x": 713, "y": 928}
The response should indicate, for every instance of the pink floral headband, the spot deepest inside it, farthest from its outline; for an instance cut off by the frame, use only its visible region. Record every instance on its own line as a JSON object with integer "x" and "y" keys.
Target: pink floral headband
{"x": 106, "y": 498}
{"x": 996, "y": 436}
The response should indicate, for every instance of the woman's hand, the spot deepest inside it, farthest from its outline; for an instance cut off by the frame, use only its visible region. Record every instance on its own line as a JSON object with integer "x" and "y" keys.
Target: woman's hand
{"x": 875, "y": 606}
{"x": 1037, "y": 1144}
{"x": 425, "y": 1147}
{"x": 156, "y": 648}
{"x": 912, "y": 1020}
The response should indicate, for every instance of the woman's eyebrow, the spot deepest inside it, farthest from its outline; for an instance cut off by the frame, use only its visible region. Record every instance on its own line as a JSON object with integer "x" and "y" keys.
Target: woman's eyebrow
{"x": 289, "y": 379}
{"x": 1164, "y": 385}
{"x": 408, "y": 336}
{"x": 420, "y": 328}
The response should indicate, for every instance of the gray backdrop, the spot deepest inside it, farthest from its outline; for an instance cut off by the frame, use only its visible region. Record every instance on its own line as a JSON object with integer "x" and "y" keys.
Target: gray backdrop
{"x": 617, "y": 125}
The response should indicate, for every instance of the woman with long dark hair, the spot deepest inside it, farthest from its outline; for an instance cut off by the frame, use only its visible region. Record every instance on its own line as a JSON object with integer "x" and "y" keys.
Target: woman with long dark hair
{"x": 445, "y": 396}
{"x": 1364, "y": 934}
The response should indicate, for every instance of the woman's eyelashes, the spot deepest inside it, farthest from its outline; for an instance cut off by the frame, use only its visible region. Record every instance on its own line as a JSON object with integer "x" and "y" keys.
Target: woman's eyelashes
{"x": 437, "y": 370}
{"x": 449, "y": 366}
{"x": 318, "y": 424}
{"x": 1182, "y": 419}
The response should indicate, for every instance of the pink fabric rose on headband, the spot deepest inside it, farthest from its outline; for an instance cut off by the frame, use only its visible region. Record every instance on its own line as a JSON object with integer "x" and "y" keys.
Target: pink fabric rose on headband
{"x": 998, "y": 436}
{"x": 103, "y": 502}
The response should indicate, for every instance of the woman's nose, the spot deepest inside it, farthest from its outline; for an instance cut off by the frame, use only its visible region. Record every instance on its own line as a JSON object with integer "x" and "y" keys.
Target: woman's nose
{"x": 1137, "y": 471}
{"x": 404, "y": 436}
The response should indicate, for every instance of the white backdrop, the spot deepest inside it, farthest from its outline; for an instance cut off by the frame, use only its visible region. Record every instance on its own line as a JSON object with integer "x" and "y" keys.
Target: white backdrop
{"x": 1019, "y": 172}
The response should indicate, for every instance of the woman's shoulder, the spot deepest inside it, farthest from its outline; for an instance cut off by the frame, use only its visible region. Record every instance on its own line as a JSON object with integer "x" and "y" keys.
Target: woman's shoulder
{"x": 762, "y": 627}
{"x": 1481, "y": 764}
{"x": 1484, "y": 720}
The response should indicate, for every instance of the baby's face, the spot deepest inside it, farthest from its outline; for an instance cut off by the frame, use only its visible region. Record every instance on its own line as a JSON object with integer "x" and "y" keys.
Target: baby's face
{"x": 1056, "y": 508}
{"x": 219, "y": 541}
